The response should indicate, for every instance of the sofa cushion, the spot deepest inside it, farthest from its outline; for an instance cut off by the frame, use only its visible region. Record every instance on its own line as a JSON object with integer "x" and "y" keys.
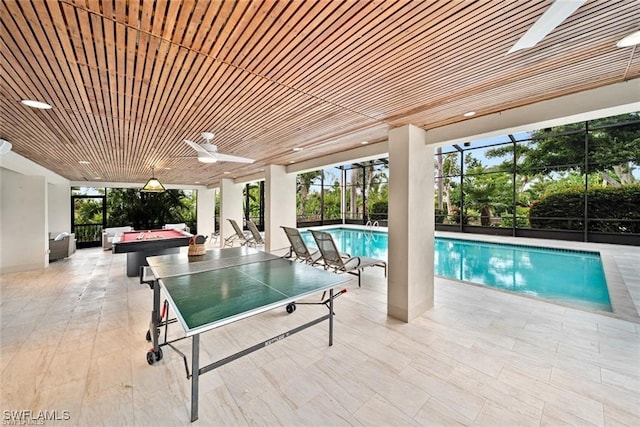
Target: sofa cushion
{"x": 61, "y": 236}
{"x": 115, "y": 230}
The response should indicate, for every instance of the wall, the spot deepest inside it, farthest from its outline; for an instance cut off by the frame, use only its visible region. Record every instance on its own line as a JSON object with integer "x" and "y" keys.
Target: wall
{"x": 23, "y": 222}
{"x": 59, "y": 208}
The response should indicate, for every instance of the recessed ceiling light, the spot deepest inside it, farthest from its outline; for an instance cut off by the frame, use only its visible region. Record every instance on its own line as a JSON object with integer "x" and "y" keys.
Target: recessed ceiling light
{"x": 36, "y": 104}
{"x": 96, "y": 177}
{"x": 469, "y": 114}
{"x": 298, "y": 149}
{"x": 84, "y": 162}
{"x": 291, "y": 161}
{"x": 167, "y": 169}
{"x": 631, "y": 40}
{"x": 364, "y": 142}
{"x": 197, "y": 182}
{"x": 226, "y": 172}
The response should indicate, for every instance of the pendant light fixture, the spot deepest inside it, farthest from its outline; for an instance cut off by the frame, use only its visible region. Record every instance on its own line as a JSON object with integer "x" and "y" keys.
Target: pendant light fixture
{"x": 153, "y": 185}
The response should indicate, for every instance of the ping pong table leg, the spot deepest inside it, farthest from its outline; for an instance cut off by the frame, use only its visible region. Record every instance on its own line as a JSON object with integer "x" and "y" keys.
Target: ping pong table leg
{"x": 155, "y": 316}
{"x": 331, "y": 317}
{"x": 195, "y": 376}
{"x": 155, "y": 353}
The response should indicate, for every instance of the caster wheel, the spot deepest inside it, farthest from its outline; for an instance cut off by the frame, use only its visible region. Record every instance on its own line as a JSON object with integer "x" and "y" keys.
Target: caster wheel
{"x": 291, "y": 308}
{"x": 154, "y": 356}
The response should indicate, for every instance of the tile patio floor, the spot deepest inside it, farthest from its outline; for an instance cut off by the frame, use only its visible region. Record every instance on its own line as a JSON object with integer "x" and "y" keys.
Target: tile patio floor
{"x": 73, "y": 340}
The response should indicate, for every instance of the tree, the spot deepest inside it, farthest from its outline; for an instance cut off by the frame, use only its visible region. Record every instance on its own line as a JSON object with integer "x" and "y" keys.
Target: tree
{"x": 305, "y": 180}
{"x": 146, "y": 211}
{"x": 447, "y": 181}
{"x": 486, "y": 189}
{"x": 613, "y": 150}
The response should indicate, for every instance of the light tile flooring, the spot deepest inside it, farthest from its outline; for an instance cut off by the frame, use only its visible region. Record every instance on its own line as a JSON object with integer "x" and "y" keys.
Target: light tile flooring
{"x": 73, "y": 340}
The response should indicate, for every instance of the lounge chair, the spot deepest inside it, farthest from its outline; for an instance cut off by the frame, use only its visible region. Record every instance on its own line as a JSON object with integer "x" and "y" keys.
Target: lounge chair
{"x": 298, "y": 249}
{"x": 245, "y": 238}
{"x": 257, "y": 237}
{"x": 332, "y": 259}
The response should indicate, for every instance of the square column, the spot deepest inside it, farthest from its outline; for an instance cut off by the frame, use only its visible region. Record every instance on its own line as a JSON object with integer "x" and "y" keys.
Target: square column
{"x": 24, "y": 239}
{"x": 206, "y": 210}
{"x": 411, "y": 224}
{"x": 230, "y": 207}
{"x": 280, "y": 206}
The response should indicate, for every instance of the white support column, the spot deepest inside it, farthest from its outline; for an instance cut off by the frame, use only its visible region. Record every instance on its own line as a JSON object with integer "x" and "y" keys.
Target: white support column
{"x": 411, "y": 224}
{"x": 206, "y": 210}
{"x": 280, "y": 206}
{"x": 58, "y": 207}
{"x": 230, "y": 206}
{"x": 24, "y": 240}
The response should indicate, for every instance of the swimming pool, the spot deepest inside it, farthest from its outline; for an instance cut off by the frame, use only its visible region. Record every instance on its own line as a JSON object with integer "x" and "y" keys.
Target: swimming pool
{"x": 572, "y": 277}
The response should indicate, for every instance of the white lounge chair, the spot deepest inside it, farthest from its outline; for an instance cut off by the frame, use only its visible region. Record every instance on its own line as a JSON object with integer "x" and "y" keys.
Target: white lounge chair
{"x": 333, "y": 260}
{"x": 245, "y": 238}
{"x": 257, "y": 237}
{"x": 299, "y": 250}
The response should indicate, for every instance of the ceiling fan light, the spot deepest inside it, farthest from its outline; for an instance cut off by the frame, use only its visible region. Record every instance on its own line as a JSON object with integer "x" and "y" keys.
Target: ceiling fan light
{"x": 5, "y": 146}
{"x": 208, "y": 135}
{"x": 206, "y": 159}
{"x": 630, "y": 40}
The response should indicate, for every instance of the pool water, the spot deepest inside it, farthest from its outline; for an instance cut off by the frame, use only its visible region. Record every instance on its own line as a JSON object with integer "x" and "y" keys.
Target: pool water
{"x": 573, "y": 277}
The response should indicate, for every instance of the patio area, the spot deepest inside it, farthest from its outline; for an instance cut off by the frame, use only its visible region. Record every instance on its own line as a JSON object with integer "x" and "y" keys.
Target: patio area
{"x": 73, "y": 340}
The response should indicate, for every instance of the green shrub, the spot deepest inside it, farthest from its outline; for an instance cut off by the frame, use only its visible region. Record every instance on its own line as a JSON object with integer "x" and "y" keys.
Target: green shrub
{"x": 379, "y": 210}
{"x": 440, "y": 215}
{"x": 522, "y": 218}
{"x": 609, "y": 210}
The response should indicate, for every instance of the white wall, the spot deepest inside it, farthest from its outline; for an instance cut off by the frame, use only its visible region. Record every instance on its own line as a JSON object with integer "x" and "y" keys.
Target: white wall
{"x": 59, "y": 208}
{"x": 23, "y": 222}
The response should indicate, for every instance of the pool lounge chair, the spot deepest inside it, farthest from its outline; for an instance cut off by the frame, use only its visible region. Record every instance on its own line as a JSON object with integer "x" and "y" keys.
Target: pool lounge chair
{"x": 332, "y": 259}
{"x": 257, "y": 237}
{"x": 245, "y": 238}
{"x": 298, "y": 249}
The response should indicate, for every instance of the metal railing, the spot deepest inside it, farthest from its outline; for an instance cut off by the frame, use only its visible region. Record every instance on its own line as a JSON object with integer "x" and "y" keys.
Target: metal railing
{"x": 88, "y": 235}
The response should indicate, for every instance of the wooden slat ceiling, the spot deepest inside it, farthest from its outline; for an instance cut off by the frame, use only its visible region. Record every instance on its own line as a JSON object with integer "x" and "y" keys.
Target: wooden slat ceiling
{"x": 129, "y": 80}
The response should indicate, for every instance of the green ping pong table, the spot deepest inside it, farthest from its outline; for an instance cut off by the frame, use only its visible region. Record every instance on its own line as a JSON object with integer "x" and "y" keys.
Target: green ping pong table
{"x": 223, "y": 286}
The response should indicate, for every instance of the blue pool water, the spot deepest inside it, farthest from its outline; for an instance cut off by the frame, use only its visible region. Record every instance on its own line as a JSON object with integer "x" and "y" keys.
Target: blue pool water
{"x": 573, "y": 277}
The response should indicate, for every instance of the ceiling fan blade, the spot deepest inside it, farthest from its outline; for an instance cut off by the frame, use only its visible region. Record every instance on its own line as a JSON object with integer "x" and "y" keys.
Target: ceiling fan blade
{"x": 197, "y": 147}
{"x": 550, "y": 19}
{"x": 228, "y": 158}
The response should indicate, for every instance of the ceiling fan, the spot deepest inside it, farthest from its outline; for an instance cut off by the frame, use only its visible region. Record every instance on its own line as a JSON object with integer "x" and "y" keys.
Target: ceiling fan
{"x": 208, "y": 153}
{"x": 550, "y": 19}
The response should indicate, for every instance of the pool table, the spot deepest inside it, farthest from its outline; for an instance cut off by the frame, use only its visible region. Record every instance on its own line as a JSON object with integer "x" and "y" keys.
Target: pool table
{"x": 138, "y": 245}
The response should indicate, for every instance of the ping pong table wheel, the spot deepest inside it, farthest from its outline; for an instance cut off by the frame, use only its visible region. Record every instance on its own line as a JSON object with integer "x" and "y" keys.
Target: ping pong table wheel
{"x": 291, "y": 307}
{"x": 154, "y": 356}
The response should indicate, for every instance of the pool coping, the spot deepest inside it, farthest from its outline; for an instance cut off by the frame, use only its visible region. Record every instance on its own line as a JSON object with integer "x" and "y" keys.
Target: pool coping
{"x": 622, "y": 303}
